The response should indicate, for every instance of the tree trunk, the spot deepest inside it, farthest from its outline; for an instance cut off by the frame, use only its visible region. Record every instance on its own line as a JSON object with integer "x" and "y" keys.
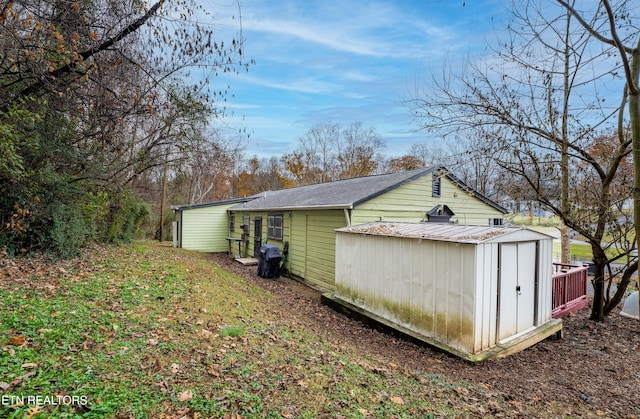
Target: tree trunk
{"x": 599, "y": 260}
{"x": 634, "y": 116}
{"x": 163, "y": 200}
{"x": 622, "y": 287}
{"x": 565, "y": 244}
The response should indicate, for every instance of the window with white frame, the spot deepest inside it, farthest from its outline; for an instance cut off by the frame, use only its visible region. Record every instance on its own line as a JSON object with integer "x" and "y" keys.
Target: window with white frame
{"x": 274, "y": 226}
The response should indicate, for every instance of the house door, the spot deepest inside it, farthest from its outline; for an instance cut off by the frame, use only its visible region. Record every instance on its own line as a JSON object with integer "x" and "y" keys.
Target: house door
{"x": 516, "y": 310}
{"x": 257, "y": 236}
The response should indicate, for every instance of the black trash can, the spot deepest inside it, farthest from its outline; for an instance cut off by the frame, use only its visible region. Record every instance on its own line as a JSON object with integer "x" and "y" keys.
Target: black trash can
{"x": 269, "y": 261}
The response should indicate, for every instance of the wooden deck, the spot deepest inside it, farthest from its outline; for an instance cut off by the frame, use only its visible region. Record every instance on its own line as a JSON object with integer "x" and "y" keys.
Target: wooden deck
{"x": 569, "y": 288}
{"x": 247, "y": 261}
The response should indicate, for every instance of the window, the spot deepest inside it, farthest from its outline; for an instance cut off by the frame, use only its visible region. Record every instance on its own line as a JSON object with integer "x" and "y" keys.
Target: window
{"x": 435, "y": 185}
{"x": 495, "y": 221}
{"x": 274, "y": 226}
{"x": 232, "y": 222}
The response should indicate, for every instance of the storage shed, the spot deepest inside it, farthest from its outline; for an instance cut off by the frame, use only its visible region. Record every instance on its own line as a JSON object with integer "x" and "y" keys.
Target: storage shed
{"x": 476, "y": 291}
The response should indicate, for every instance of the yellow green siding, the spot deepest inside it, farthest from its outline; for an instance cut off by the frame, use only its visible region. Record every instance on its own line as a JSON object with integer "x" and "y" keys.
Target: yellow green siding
{"x": 297, "y": 258}
{"x": 411, "y": 202}
{"x": 311, "y": 239}
{"x": 248, "y": 249}
{"x": 205, "y": 228}
{"x": 311, "y": 233}
{"x": 321, "y": 246}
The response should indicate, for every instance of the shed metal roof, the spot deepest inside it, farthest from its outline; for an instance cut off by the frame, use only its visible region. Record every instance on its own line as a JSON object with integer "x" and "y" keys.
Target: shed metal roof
{"x": 444, "y": 231}
{"x": 345, "y": 194}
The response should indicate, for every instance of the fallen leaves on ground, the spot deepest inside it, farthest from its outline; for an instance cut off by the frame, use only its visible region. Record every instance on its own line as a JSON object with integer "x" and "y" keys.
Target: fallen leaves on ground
{"x": 185, "y": 396}
{"x": 17, "y": 340}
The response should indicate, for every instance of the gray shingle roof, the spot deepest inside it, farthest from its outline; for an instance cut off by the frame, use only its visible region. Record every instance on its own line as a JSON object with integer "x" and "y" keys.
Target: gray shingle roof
{"x": 209, "y": 204}
{"x": 338, "y": 194}
{"x": 346, "y": 193}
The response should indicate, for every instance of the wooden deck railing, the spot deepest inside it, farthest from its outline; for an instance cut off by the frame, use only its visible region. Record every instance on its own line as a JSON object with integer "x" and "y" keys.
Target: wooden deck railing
{"x": 569, "y": 288}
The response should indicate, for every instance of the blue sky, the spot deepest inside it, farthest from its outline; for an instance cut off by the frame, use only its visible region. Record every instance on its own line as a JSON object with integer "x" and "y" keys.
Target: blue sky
{"x": 347, "y": 61}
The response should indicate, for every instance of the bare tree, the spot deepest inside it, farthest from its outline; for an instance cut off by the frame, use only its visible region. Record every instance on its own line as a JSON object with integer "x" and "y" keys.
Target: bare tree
{"x": 536, "y": 108}
{"x": 209, "y": 169}
{"x": 615, "y": 26}
{"x": 359, "y": 151}
{"x": 319, "y": 146}
{"x": 327, "y": 152}
{"x": 314, "y": 160}
{"x": 461, "y": 155}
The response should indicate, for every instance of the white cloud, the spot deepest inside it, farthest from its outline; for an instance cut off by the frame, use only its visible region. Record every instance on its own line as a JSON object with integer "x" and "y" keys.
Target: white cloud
{"x": 366, "y": 29}
{"x": 343, "y": 61}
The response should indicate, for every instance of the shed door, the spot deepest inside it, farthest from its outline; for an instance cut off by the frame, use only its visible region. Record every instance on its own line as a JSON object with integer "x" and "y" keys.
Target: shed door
{"x": 517, "y": 288}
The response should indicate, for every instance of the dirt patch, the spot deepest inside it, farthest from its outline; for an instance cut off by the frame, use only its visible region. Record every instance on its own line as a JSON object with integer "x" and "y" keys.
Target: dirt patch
{"x": 593, "y": 372}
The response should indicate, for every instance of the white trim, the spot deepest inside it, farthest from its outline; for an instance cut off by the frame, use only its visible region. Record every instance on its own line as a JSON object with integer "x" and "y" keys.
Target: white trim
{"x": 517, "y": 335}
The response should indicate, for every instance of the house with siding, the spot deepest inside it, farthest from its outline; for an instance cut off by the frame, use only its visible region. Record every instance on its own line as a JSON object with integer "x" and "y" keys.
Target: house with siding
{"x": 204, "y": 227}
{"x": 302, "y": 221}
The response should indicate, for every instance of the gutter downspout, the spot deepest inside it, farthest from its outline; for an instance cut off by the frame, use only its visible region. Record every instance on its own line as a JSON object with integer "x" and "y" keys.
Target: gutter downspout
{"x": 346, "y": 217}
{"x": 180, "y": 231}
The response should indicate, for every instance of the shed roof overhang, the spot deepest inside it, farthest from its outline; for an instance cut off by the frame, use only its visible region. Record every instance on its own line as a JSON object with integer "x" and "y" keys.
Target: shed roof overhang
{"x": 472, "y": 234}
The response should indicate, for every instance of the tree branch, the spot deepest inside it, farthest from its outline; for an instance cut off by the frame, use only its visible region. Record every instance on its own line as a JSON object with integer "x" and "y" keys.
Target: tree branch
{"x": 633, "y": 89}
{"x": 590, "y": 29}
{"x": 71, "y": 67}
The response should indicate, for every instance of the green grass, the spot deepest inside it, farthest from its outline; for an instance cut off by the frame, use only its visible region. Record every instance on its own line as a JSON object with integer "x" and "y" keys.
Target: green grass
{"x": 579, "y": 251}
{"x": 232, "y": 331}
{"x": 144, "y": 330}
{"x": 148, "y": 331}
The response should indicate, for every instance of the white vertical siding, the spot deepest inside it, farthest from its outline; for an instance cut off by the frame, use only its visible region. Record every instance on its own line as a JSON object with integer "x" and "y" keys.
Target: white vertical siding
{"x": 423, "y": 285}
{"x": 445, "y": 290}
{"x": 486, "y": 309}
{"x": 545, "y": 281}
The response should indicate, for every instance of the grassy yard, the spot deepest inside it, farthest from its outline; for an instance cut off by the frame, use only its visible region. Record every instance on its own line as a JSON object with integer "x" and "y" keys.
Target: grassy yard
{"x": 148, "y": 331}
{"x": 579, "y": 251}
